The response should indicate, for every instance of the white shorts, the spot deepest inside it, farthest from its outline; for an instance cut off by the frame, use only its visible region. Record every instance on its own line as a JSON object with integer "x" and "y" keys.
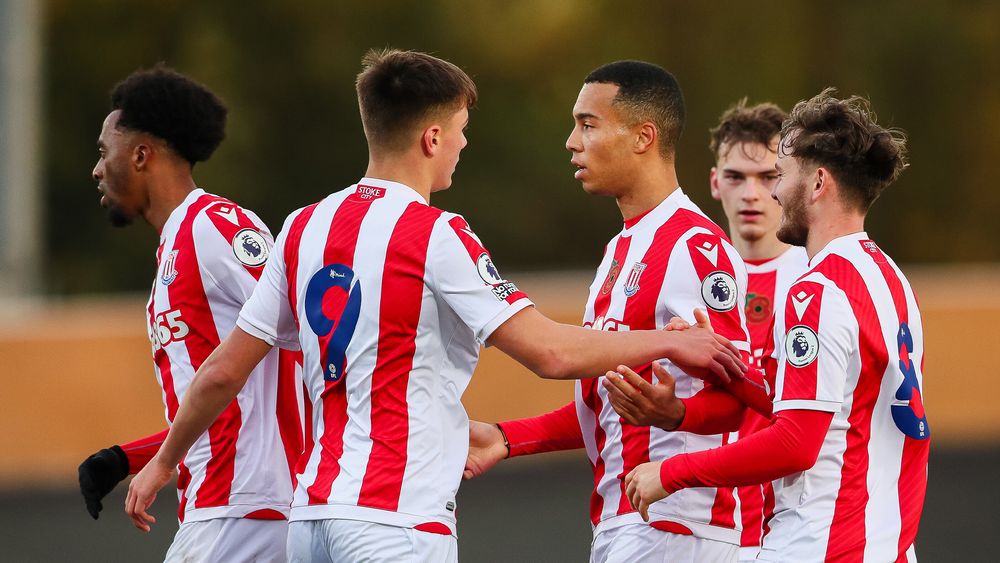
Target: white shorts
{"x": 635, "y": 543}
{"x": 749, "y": 554}
{"x": 335, "y": 541}
{"x": 229, "y": 539}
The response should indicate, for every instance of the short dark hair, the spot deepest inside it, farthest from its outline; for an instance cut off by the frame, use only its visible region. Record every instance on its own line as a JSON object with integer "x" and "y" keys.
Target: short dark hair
{"x": 843, "y": 136}
{"x": 174, "y": 108}
{"x": 741, "y": 124}
{"x": 646, "y": 92}
{"x": 400, "y": 90}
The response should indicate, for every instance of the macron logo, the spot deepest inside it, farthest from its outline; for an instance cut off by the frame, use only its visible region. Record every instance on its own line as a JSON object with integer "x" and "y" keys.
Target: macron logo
{"x": 710, "y": 251}
{"x": 229, "y": 214}
{"x": 801, "y": 302}
{"x": 369, "y": 192}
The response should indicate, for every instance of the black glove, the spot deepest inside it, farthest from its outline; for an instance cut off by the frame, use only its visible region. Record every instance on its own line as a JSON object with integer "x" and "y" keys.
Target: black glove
{"x": 99, "y": 474}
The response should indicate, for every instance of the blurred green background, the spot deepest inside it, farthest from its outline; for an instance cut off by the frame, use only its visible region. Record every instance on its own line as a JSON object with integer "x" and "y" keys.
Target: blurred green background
{"x": 286, "y": 71}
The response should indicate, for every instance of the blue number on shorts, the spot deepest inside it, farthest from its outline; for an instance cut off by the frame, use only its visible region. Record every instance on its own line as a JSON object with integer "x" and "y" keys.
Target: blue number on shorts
{"x": 909, "y": 414}
{"x": 336, "y": 277}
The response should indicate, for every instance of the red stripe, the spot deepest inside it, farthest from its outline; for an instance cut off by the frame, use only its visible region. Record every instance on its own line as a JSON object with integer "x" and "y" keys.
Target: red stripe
{"x": 287, "y": 410}
{"x": 229, "y": 230}
{"x": 588, "y": 392}
{"x": 672, "y": 527}
{"x": 187, "y": 294}
{"x": 640, "y": 314}
{"x": 726, "y": 323}
{"x": 399, "y": 315}
{"x": 265, "y": 514}
{"x": 341, "y": 243}
{"x": 290, "y": 254}
{"x": 307, "y": 433}
{"x": 759, "y": 311}
{"x": 183, "y": 480}
{"x": 760, "y": 322}
{"x": 293, "y": 241}
{"x": 912, "y": 486}
{"x": 476, "y": 249}
{"x": 847, "y": 530}
{"x": 800, "y": 382}
{"x": 588, "y": 387}
{"x": 161, "y": 358}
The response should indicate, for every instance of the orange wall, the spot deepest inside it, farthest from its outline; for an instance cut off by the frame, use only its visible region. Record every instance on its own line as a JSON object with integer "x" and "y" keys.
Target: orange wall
{"x": 77, "y": 376}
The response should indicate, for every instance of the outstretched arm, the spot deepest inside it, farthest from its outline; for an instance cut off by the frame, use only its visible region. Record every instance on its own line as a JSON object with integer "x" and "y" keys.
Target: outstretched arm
{"x": 791, "y": 444}
{"x": 560, "y": 351}
{"x": 490, "y": 443}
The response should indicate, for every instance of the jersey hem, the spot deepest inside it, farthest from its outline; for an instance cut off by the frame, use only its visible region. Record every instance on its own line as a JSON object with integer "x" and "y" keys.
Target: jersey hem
{"x": 698, "y": 529}
{"x": 230, "y": 511}
{"x": 248, "y": 327}
{"x": 502, "y": 317}
{"x": 366, "y": 514}
{"x": 807, "y": 405}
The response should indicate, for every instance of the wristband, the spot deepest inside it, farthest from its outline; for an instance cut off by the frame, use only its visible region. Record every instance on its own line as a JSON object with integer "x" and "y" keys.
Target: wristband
{"x": 506, "y": 443}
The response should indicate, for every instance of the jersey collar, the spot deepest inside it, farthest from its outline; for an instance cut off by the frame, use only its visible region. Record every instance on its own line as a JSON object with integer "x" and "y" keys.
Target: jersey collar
{"x": 396, "y": 189}
{"x": 177, "y": 215}
{"x": 838, "y": 245}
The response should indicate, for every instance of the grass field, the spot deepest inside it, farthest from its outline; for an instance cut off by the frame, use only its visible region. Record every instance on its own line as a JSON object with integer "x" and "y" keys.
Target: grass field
{"x": 529, "y": 510}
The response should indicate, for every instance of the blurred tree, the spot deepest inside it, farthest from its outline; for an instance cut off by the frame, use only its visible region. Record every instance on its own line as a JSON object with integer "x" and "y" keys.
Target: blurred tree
{"x": 286, "y": 70}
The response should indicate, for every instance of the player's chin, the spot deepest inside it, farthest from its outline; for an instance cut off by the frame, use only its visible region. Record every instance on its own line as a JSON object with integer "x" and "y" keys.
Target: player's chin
{"x": 119, "y": 218}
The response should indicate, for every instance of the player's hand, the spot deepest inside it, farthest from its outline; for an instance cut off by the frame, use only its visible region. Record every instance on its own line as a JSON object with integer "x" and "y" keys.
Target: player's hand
{"x": 643, "y": 488}
{"x": 142, "y": 492}
{"x": 642, "y": 403}
{"x": 677, "y": 323}
{"x": 99, "y": 474}
{"x": 704, "y": 354}
{"x": 486, "y": 449}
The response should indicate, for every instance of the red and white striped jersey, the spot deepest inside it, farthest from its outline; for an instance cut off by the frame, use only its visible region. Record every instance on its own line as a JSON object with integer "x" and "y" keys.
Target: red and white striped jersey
{"x": 663, "y": 264}
{"x": 767, "y": 284}
{"x": 389, "y": 299}
{"x": 853, "y": 346}
{"x": 210, "y": 256}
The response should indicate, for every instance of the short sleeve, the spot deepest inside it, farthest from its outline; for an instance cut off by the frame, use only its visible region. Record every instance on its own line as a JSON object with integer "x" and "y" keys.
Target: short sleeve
{"x": 820, "y": 337}
{"x": 239, "y": 243}
{"x": 717, "y": 280}
{"x": 267, "y": 314}
{"x": 463, "y": 275}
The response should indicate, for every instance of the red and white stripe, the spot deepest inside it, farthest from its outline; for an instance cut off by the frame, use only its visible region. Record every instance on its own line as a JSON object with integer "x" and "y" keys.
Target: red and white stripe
{"x": 390, "y": 435}
{"x": 232, "y": 470}
{"x": 863, "y": 498}
{"x": 767, "y": 285}
{"x": 665, "y": 243}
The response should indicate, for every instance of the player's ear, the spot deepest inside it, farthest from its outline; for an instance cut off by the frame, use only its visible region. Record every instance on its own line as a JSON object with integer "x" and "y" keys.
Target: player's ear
{"x": 140, "y": 155}
{"x": 430, "y": 140}
{"x": 645, "y": 137}
{"x": 822, "y": 182}
{"x": 713, "y": 182}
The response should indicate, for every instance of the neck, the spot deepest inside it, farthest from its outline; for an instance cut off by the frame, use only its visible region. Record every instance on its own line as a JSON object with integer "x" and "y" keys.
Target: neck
{"x": 166, "y": 193}
{"x": 408, "y": 169}
{"x": 647, "y": 187}
{"x": 764, "y": 248}
{"x": 824, "y": 230}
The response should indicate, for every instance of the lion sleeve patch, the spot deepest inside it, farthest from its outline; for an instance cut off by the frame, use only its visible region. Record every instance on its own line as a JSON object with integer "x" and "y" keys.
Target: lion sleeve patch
{"x": 802, "y": 342}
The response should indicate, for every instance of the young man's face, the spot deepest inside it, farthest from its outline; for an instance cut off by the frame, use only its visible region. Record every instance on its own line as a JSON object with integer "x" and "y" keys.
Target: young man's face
{"x": 790, "y": 192}
{"x": 742, "y": 180}
{"x": 116, "y": 179}
{"x": 452, "y": 140}
{"x": 600, "y": 142}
